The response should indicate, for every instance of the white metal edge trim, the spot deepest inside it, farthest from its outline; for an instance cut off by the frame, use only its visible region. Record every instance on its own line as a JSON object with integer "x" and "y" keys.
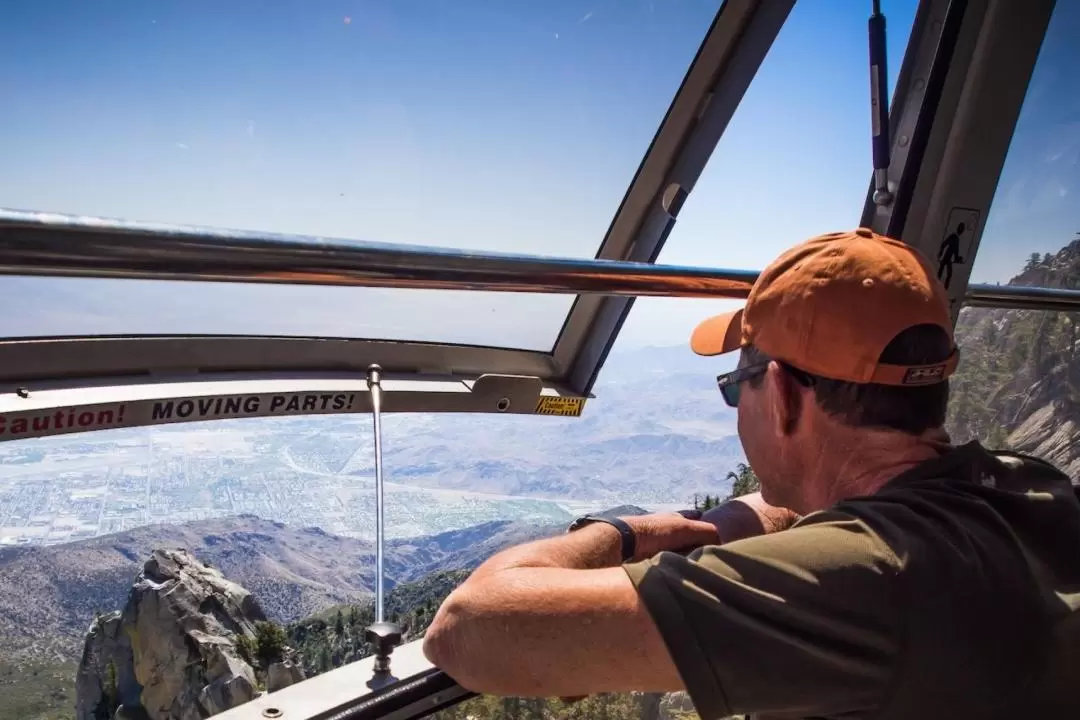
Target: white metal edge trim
{"x": 323, "y": 693}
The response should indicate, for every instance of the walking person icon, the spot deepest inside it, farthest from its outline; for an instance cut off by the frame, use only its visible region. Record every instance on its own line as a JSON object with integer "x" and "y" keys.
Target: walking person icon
{"x": 949, "y": 253}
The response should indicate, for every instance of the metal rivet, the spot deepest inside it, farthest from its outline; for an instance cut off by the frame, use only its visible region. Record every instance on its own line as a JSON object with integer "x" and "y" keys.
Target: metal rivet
{"x": 919, "y": 83}
{"x": 272, "y": 713}
{"x": 503, "y": 405}
{"x": 903, "y": 140}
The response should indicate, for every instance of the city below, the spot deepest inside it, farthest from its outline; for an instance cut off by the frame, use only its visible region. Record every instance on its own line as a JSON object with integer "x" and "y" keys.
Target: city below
{"x": 650, "y": 437}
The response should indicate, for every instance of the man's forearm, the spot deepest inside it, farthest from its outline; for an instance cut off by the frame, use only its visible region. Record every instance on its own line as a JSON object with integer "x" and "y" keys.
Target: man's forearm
{"x": 487, "y": 610}
{"x": 534, "y": 618}
{"x": 599, "y": 545}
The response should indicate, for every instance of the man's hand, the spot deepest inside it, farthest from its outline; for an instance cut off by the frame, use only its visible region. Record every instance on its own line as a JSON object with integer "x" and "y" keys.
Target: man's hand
{"x": 658, "y": 532}
{"x": 748, "y": 516}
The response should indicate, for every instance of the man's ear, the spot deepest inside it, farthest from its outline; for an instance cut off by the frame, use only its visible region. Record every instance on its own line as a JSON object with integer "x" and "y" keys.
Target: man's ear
{"x": 786, "y": 398}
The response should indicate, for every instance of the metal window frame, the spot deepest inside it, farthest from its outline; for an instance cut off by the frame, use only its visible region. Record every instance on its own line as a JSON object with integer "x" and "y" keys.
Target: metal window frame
{"x": 952, "y": 149}
{"x": 141, "y": 392}
{"x": 134, "y": 250}
{"x": 729, "y": 59}
{"x": 51, "y": 386}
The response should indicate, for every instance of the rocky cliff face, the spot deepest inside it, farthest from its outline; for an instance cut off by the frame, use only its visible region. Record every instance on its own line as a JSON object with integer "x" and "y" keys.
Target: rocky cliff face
{"x": 1018, "y": 383}
{"x": 105, "y": 678}
{"x": 177, "y": 650}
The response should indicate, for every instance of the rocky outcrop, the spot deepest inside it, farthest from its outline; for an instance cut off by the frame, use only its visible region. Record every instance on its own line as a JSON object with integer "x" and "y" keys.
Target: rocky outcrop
{"x": 184, "y": 618}
{"x": 283, "y": 674}
{"x": 1048, "y": 435}
{"x": 172, "y": 654}
{"x": 105, "y": 678}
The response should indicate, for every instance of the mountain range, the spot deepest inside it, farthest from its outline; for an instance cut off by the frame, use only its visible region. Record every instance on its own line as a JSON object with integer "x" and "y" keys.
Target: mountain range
{"x": 50, "y": 594}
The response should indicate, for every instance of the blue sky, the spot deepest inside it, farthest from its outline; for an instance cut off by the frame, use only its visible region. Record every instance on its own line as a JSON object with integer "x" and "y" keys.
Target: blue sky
{"x": 513, "y": 126}
{"x": 1037, "y": 203}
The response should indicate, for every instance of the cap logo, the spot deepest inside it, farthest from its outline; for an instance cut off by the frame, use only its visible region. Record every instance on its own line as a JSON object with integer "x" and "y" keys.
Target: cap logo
{"x": 925, "y": 375}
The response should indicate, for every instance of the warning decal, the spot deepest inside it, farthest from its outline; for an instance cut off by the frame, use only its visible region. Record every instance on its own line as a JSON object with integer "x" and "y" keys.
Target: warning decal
{"x": 58, "y": 421}
{"x": 71, "y": 413}
{"x": 212, "y": 408}
{"x": 565, "y": 406}
{"x": 955, "y": 247}
{"x": 54, "y": 422}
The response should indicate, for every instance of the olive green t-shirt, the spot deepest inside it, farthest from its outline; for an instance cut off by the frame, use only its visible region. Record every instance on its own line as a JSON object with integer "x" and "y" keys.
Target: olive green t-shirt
{"x": 952, "y": 592}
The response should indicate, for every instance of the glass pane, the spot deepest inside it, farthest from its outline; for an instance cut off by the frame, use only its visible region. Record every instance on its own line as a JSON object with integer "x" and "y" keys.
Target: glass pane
{"x": 507, "y": 127}
{"x": 515, "y": 127}
{"x": 1018, "y": 385}
{"x": 794, "y": 162}
{"x": 1035, "y": 208}
{"x": 83, "y": 306}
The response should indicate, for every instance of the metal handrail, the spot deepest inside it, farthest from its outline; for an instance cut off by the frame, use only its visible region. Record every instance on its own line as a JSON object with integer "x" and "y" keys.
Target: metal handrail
{"x": 48, "y": 244}
{"x": 1022, "y": 297}
{"x": 73, "y": 246}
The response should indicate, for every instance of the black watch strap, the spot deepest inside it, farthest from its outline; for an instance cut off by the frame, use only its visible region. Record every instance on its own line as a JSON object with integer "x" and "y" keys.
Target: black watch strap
{"x": 629, "y": 540}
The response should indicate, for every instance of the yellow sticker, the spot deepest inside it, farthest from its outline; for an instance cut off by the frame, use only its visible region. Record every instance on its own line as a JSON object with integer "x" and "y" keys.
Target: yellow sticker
{"x": 565, "y": 406}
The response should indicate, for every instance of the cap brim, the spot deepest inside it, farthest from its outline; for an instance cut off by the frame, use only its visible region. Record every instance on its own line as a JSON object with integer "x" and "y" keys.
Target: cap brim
{"x": 718, "y": 335}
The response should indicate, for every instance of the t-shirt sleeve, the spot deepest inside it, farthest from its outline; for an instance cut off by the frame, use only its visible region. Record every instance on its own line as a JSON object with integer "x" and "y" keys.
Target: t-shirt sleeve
{"x": 801, "y": 622}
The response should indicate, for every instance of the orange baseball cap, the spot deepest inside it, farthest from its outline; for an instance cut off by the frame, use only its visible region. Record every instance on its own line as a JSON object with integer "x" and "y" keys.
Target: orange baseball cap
{"x": 831, "y": 305}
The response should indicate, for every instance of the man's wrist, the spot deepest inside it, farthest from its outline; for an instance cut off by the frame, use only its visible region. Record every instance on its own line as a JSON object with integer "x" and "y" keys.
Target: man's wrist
{"x": 605, "y": 544}
{"x": 644, "y": 545}
{"x": 602, "y": 543}
{"x": 627, "y": 539}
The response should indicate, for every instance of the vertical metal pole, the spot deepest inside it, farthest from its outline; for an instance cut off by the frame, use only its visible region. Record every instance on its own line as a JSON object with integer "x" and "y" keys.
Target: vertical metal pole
{"x": 879, "y": 106}
{"x": 383, "y": 636}
{"x": 375, "y": 388}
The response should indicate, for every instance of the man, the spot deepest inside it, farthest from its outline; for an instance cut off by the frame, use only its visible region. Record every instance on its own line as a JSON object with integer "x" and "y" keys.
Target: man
{"x": 921, "y": 580}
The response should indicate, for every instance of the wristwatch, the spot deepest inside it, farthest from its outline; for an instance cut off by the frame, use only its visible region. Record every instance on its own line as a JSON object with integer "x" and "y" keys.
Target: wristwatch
{"x": 629, "y": 540}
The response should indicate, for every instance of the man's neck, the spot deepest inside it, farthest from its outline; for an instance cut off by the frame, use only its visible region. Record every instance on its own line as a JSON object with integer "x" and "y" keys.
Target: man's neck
{"x": 869, "y": 460}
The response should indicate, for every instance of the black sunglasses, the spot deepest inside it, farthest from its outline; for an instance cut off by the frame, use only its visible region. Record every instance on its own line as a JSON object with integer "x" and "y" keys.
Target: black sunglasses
{"x": 730, "y": 384}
